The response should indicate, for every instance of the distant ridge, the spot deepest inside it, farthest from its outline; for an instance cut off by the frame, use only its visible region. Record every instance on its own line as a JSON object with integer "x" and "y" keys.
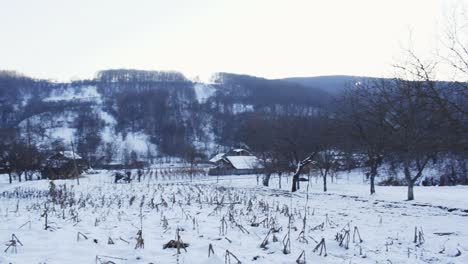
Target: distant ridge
{"x": 332, "y": 84}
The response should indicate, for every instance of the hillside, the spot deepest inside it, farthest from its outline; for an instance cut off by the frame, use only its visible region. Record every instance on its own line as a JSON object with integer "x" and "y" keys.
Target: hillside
{"x": 152, "y": 114}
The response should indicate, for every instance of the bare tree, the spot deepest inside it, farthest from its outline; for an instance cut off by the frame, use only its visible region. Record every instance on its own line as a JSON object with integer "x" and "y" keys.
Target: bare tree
{"x": 414, "y": 126}
{"x": 284, "y": 143}
{"x": 192, "y": 155}
{"x": 22, "y": 157}
{"x": 300, "y": 165}
{"x": 326, "y": 162}
{"x": 363, "y": 115}
{"x": 110, "y": 150}
{"x": 260, "y": 136}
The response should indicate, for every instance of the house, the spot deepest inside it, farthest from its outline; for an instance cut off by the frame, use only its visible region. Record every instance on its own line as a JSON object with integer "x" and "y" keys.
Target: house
{"x": 235, "y": 162}
{"x": 63, "y": 165}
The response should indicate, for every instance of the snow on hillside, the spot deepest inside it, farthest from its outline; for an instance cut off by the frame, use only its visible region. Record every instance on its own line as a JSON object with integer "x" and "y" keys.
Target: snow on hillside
{"x": 60, "y": 125}
{"x": 242, "y": 108}
{"x": 235, "y": 108}
{"x": 54, "y": 125}
{"x": 203, "y": 91}
{"x": 207, "y": 144}
{"x": 138, "y": 142}
{"x": 64, "y": 133}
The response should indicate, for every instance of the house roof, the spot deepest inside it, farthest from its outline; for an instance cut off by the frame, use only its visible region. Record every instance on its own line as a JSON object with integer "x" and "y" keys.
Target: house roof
{"x": 239, "y": 150}
{"x": 243, "y": 162}
{"x": 70, "y": 155}
{"x": 217, "y": 157}
{"x": 67, "y": 155}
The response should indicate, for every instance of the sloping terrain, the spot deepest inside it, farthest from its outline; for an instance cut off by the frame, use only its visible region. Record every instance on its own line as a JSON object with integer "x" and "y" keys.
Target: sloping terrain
{"x": 152, "y": 114}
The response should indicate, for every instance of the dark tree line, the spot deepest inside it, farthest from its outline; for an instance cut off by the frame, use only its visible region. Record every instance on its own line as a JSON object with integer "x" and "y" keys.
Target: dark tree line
{"x": 88, "y": 133}
{"x": 18, "y": 156}
{"x": 398, "y": 121}
{"x": 167, "y": 113}
{"x": 387, "y": 121}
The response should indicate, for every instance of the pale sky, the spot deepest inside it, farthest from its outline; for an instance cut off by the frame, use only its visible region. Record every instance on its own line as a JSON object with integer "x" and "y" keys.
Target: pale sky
{"x": 69, "y": 39}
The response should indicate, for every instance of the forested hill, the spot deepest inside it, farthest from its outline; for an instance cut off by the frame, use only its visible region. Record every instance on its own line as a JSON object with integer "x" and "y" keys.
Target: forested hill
{"x": 146, "y": 113}
{"x": 333, "y": 84}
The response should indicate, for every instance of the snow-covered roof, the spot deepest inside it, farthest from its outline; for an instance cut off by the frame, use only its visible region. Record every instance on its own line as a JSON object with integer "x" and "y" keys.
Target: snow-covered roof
{"x": 243, "y": 162}
{"x": 239, "y": 150}
{"x": 217, "y": 157}
{"x": 70, "y": 155}
{"x": 67, "y": 155}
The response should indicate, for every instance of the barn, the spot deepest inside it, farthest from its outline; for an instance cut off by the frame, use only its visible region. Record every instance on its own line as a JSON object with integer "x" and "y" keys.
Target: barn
{"x": 61, "y": 165}
{"x": 235, "y": 162}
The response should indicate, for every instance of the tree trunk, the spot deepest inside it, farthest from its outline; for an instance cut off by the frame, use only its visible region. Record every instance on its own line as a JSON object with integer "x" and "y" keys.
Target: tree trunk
{"x": 266, "y": 179}
{"x": 324, "y": 182}
{"x": 373, "y": 173}
{"x": 409, "y": 180}
{"x": 372, "y": 184}
{"x": 279, "y": 180}
{"x": 19, "y": 176}
{"x": 300, "y": 165}
{"x": 410, "y": 191}
{"x": 10, "y": 178}
{"x": 192, "y": 165}
{"x": 295, "y": 181}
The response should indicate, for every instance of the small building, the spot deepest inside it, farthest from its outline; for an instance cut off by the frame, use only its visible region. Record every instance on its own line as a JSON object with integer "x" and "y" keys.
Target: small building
{"x": 235, "y": 162}
{"x": 61, "y": 165}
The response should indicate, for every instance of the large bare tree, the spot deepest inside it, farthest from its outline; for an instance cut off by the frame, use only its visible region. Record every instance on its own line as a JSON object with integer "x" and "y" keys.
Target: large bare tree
{"x": 363, "y": 114}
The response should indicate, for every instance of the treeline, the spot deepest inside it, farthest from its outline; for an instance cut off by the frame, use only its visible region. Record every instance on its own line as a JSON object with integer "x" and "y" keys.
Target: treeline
{"x": 19, "y": 157}
{"x": 14, "y": 88}
{"x": 238, "y": 97}
{"x": 139, "y": 76}
{"x": 112, "y": 82}
{"x": 266, "y": 95}
{"x": 407, "y": 124}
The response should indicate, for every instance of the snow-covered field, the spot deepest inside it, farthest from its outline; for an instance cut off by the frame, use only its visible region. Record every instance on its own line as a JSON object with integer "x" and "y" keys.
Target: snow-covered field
{"x": 98, "y": 221}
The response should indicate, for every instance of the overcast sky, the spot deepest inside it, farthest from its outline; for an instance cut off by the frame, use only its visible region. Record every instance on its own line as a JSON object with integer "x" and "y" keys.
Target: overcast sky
{"x": 60, "y": 39}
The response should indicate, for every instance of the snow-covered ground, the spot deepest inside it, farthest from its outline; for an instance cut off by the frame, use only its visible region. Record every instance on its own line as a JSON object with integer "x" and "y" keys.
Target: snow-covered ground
{"x": 203, "y": 91}
{"x": 230, "y": 213}
{"x": 138, "y": 142}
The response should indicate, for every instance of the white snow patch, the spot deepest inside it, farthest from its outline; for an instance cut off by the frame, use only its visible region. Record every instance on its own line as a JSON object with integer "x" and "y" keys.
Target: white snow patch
{"x": 108, "y": 118}
{"x": 242, "y": 108}
{"x": 65, "y": 133}
{"x": 136, "y": 142}
{"x": 203, "y": 91}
